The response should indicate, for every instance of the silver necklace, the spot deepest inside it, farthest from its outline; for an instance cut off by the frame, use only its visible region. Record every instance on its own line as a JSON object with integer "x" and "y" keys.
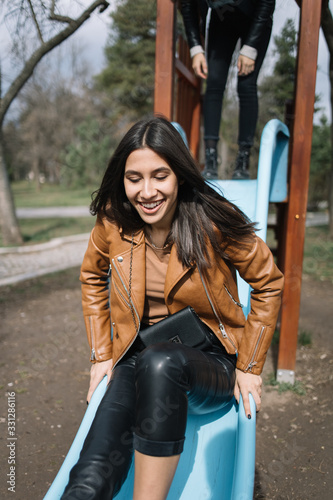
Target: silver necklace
{"x": 166, "y": 244}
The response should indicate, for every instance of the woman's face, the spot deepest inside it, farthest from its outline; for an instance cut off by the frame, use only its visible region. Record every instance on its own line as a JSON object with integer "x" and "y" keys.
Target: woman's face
{"x": 151, "y": 187}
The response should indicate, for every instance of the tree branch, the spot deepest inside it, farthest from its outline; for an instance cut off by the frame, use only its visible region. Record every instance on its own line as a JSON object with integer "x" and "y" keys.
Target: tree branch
{"x": 57, "y": 17}
{"x": 35, "y": 21}
{"x": 39, "y": 53}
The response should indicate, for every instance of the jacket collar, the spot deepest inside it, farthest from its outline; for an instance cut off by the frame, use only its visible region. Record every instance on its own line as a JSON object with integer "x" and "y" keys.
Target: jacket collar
{"x": 138, "y": 237}
{"x": 175, "y": 270}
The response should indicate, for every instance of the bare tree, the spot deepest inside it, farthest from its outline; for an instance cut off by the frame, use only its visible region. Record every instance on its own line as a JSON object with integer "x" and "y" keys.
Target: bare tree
{"x": 51, "y": 107}
{"x": 327, "y": 27}
{"x": 50, "y": 29}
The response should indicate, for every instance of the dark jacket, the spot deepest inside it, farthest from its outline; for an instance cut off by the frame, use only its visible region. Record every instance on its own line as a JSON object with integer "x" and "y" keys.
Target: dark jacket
{"x": 260, "y": 13}
{"x": 106, "y": 304}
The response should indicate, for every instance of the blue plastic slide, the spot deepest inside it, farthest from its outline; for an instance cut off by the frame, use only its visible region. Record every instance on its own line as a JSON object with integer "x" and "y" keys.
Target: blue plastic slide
{"x": 218, "y": 462}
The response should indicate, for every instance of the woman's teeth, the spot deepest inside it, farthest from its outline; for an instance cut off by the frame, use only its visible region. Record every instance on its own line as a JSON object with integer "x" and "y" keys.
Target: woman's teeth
{"x": 151, "y": 205}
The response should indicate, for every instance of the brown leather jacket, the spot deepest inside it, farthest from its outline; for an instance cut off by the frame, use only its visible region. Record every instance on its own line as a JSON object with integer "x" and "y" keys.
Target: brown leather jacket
{"x": 105, "y": 280}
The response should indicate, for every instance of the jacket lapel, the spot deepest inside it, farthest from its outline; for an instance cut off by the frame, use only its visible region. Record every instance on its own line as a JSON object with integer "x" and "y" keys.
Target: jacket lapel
{"x": 175, "y": 272}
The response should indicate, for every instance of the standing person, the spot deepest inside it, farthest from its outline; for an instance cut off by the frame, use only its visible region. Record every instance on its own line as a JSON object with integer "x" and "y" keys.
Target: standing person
{"x": 164, "y": 240}
{"x": 222, "y": 23}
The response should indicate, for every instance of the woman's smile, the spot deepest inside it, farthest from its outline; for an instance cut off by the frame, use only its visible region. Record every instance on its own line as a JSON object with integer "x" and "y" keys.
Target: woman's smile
{"x": 151, "y": 207}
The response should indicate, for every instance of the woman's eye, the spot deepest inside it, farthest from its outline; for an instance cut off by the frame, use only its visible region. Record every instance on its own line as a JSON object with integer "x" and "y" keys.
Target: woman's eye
{"x": 133, "y": 179}
{"x": 161, "y": 177}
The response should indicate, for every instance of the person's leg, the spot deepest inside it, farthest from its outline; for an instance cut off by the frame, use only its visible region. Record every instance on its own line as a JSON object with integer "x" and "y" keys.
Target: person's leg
{"x": 153, "y": 476}
{"x": 248, "y": 110}
{"x": 222, "y": 39}
{"x": 169, "y": 379}
{"x": 107, "y": 451}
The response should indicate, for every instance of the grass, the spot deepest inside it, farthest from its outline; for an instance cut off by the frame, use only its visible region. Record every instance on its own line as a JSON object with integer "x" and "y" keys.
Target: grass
{"x": 36, "y": 231}
{"x": 318, "y": 252}
{"x": 305, "y": 339}
{"x": 296, "y": 388}
{"x": 41, "y": 230}
{"x": 50, "y": 195}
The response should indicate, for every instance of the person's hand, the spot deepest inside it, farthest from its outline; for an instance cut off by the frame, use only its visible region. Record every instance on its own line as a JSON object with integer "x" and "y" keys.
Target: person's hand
{"x": 199, "y": 65}
{"x": 245, "y": 65}
{"x": 248, "y": 383}
{"x": 97, "y": 373}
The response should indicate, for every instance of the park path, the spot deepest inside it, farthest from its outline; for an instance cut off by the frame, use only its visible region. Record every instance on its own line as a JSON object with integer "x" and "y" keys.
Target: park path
{"x": 21, "y": 263}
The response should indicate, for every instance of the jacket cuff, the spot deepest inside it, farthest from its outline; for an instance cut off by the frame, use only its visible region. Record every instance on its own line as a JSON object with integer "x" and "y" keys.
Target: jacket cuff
{"x": 249, "y": 52}
{"x": 196, "y": 50}
{"x": 254, "y": 369}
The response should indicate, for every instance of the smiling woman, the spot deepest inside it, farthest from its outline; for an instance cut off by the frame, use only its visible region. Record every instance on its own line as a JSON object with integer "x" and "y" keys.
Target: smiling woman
{"x": 166, "y": 242}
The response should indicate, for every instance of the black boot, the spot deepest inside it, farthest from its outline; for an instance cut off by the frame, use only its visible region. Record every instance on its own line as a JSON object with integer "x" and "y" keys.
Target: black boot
{"x": 241, "y": 171}
{"x": 210, "y": 170}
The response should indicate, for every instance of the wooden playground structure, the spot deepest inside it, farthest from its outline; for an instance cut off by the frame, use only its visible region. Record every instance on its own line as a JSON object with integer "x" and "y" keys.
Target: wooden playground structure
{"x": 178, "y": 97}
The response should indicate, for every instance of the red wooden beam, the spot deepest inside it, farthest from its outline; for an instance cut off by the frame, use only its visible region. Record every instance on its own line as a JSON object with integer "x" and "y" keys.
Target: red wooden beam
{"x": 299, "y": 172}
{"x": 164, "y": 58}
{"x": 184, "y": 72}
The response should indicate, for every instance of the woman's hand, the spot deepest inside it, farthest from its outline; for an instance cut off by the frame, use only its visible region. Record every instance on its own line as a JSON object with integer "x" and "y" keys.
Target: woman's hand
{"x": 199, "y": 65}
{"x": 245, "y": 65}
{"x": 248, "y": 383}
{"x": 97, "y": 373}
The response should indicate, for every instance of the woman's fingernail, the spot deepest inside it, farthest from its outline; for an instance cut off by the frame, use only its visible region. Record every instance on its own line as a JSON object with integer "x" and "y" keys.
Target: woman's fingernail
{"x": 249, "y": 416}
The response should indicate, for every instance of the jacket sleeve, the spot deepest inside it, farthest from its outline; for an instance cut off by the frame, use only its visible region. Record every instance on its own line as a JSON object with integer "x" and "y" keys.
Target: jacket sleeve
{"x": 95, "y": 294}
{"x": 191, "y": 18}
{"x": 261, "y": 19}
{"x": 256, "y": 266}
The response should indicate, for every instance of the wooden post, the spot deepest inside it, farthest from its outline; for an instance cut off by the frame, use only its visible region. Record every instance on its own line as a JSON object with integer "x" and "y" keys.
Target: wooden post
{"x": 164, "y": 58}
{"x": 295, "y": 216}
{"x": 188, "y": 97}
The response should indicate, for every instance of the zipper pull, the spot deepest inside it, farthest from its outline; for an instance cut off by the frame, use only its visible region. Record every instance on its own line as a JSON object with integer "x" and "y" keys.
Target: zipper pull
{"x": 92, "y": 355}
{"x": 110, "y": 269}
{"x": 221, "y": 327}
{"x": 251, "y": 365}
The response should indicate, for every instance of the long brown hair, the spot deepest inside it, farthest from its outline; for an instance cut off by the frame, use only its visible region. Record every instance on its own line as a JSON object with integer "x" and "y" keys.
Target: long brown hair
{"x": 200, "y": 207}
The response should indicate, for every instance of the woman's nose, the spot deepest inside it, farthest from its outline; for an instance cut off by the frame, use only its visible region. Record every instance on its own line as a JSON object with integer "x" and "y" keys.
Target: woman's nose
{"x": 148, "y": 190}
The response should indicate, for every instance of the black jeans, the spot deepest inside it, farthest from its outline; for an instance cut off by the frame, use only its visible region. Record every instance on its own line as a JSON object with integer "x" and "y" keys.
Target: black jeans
{"x": 224, "y": 34}
{"x": 145, "y": 407}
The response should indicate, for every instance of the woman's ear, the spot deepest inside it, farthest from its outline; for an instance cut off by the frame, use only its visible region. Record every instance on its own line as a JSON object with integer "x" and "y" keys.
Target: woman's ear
{"x": 181, "y": 181}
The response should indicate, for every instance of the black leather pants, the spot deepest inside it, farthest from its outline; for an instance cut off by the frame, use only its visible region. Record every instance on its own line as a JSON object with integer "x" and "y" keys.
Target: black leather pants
{"x": 145, "y": 407}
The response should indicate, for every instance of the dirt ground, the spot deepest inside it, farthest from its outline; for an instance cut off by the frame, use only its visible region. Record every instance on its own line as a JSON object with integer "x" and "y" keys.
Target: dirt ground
{"x": 44, "y": 361}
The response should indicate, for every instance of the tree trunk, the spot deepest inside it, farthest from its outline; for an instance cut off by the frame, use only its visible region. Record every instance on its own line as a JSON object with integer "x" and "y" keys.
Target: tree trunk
{"x": 10, "y": 230}
{"x": 9, "y": 225}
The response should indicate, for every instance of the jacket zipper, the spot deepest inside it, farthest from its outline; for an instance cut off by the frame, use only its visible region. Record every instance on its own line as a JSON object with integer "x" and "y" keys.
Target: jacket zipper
{"x": 118, "y": 290}
{"x": 252, "y": 362}
{"x": 234, "y": 301}
{"x": 129, "y": 304}
{"x": 221, "y": 325}
{"x": 92, "y": 353}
